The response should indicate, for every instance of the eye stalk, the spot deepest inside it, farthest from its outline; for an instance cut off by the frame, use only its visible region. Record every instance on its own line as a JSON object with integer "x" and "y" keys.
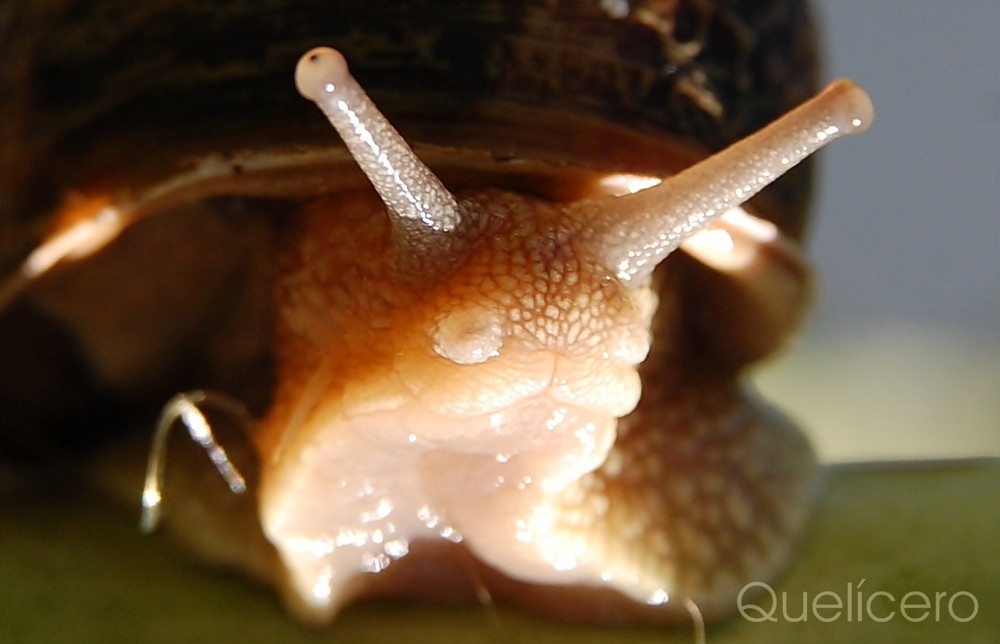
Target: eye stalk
{"x": 408, "y": 187}
{"x": 635, "y": 232}
{"x": 632, "y": 233}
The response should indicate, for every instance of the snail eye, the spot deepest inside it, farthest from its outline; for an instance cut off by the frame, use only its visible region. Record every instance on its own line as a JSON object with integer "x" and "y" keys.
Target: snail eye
{"x": 320, "y": 72}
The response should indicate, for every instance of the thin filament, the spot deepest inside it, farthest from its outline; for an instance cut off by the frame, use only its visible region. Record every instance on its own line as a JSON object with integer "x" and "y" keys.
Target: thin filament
{"x": 187, "y": 408}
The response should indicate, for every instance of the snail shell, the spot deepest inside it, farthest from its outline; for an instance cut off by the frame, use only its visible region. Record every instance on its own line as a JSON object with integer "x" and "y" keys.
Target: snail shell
{"x": 460, "y": 359}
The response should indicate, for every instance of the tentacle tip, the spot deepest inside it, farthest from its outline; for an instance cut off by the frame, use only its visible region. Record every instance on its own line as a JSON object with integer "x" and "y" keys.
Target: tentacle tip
{"x": 149, "y": 519}
{"x": 319, "y": 72}
{"x": 854, "y": 105}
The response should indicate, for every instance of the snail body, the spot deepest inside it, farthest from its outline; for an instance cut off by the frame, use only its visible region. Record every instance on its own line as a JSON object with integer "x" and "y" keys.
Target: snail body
{"x": 499, "y": 370}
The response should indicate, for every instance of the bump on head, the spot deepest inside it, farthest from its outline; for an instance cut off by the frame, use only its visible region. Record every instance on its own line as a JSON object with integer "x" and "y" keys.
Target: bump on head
{"x": 319, "y": 72}
{"x": 468, "y": 336}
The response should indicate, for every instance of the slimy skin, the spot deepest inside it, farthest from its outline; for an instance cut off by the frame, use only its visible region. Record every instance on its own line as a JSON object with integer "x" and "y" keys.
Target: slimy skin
{"x": 537, "y": 353}
{"x": 494, "y": 373}
{"x": 493, "y": 369}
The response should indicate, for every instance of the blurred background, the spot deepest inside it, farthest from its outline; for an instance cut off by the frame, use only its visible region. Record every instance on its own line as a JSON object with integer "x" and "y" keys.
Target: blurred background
{"x": 902, "y": 357}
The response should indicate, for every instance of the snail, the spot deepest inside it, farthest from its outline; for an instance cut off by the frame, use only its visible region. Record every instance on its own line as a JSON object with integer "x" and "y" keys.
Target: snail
{"x": 494, "y": 354}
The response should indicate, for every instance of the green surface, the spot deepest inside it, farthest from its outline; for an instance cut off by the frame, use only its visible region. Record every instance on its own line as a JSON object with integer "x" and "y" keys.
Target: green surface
{"x": 74, "y": 569}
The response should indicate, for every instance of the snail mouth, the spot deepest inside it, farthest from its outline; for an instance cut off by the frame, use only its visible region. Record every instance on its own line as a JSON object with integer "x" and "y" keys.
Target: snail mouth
{"x": 359, "y": 485}
{"x": 445, "y": 573}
